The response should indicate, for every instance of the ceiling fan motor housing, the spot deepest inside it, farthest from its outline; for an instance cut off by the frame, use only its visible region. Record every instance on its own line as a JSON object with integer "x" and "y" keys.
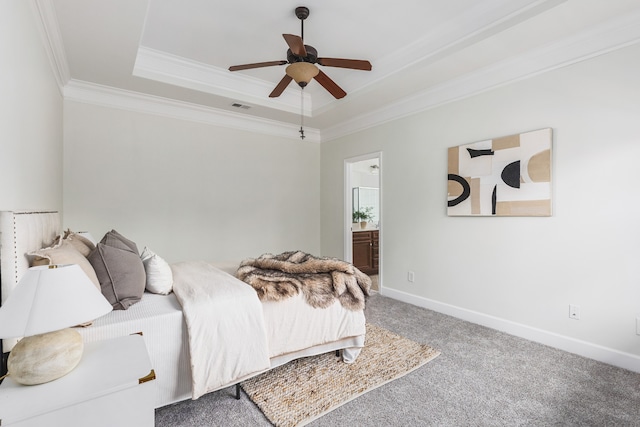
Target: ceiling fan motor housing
{"x": 312, "y": 55}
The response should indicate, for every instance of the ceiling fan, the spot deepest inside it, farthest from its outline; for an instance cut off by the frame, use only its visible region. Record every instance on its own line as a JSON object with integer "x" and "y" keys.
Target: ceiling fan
{"x": 302, "y": 59}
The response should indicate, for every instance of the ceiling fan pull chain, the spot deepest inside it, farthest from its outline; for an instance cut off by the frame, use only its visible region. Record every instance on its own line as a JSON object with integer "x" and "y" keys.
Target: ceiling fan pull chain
{"x": 301, "y": 113}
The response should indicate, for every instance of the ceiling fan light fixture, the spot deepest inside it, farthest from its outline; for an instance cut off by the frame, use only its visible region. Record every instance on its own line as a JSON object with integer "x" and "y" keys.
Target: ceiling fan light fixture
{"x": 302, "y": 72}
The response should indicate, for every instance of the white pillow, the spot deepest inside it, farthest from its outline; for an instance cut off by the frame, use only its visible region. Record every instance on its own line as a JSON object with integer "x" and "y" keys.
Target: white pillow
{"x": 159, "y": 275}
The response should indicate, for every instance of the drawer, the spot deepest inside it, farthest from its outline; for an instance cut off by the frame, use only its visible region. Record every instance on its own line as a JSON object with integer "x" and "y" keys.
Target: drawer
{"x": 362, "y": 236}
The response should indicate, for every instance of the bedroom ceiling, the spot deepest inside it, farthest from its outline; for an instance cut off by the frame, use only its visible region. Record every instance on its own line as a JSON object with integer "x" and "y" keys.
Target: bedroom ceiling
{"x": 172, "y": 56}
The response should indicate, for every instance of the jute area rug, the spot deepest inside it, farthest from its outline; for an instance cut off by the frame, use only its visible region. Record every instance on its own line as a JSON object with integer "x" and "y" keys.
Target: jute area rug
{"x": 305, "y": 389}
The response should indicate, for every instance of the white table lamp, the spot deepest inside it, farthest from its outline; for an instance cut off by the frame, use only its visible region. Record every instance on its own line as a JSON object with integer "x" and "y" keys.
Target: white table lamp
{"x": 46, "y": 303}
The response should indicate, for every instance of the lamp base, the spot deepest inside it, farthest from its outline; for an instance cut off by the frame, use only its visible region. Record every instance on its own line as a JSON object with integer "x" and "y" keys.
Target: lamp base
{"x": 46, "y": 357}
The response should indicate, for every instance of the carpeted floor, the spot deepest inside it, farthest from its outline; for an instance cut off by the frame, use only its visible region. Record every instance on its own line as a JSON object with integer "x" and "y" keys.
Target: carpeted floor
{"x": 481, "y": 378}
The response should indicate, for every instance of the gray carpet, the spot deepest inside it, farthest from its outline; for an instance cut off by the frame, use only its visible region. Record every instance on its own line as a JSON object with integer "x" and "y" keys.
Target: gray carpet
{"x": 482, "y": 378}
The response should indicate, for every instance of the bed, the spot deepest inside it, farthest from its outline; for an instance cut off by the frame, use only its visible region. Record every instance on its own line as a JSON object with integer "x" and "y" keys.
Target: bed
{"x": 165, "y": 327}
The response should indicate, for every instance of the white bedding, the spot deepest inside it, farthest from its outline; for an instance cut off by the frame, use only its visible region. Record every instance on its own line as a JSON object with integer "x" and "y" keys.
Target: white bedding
{"x": 160, "y": 319}
{"x": 294, "y": 326}
{"x": 236, "y": 347}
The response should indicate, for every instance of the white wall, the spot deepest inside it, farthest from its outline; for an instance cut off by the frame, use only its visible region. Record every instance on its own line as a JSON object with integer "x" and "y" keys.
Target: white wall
{"x": 30, "y": 115}
{"x": 517, "y": 274}
{"x": 188, "y": 190}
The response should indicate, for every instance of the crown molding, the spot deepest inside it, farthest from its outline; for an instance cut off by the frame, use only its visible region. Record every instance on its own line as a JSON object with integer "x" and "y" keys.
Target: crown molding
{"x": 605, "y": 38}
{"x": 47, "y": 24}
{"x": 178, "y": 71}
{"x": 472, "y": 26}
{"x": 106, "y": 96}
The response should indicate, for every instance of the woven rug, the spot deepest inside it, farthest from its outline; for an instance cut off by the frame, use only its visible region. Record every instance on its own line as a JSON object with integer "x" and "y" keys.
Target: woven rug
{"x": 305, "y": 389}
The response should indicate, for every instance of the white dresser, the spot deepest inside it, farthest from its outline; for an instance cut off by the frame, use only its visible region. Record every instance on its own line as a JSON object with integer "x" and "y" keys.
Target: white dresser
{"x": 111, "y": 386}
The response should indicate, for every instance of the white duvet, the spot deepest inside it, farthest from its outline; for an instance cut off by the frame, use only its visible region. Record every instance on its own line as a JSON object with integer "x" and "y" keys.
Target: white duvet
{"x": 225, "y": 324}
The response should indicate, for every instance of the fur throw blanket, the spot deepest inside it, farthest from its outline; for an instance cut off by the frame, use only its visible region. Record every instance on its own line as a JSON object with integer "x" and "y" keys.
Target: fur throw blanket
{"x": 321, "y": 280}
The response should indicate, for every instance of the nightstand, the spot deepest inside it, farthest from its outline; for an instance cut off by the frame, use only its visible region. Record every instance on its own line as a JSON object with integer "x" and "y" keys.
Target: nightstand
{"x": 111, "y": 386}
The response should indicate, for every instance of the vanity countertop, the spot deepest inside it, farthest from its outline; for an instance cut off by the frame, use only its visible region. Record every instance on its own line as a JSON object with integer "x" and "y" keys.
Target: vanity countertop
{"x": 355, "y": 230}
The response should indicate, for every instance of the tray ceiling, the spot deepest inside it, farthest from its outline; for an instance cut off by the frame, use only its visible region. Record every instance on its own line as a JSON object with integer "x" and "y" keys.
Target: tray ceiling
{"x": 173, "y": 56}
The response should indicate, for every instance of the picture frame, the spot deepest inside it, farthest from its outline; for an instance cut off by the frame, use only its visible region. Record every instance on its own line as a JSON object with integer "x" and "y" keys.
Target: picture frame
{"x": 505, "y": 176}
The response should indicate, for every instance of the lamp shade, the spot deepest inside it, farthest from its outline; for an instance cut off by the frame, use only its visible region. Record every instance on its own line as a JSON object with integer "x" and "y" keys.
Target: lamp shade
{"x": 49, "y": 298}
{"x": 302, "y": 72}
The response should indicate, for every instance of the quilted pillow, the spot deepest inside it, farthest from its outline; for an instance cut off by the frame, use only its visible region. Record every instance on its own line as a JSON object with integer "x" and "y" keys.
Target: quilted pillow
{"x": 64, "y": 252}
{"x": 159, "y": 274}
{"x": 119, "y": 270}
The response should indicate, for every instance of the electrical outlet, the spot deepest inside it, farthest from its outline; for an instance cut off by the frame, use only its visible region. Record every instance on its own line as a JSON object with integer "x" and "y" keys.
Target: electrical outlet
{"x": 574, "y": 312}
{"x": 411, "y": 276}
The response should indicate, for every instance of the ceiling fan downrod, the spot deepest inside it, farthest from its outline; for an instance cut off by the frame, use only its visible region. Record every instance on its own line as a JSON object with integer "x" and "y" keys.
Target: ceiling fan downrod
{"x": 302, "y": 13}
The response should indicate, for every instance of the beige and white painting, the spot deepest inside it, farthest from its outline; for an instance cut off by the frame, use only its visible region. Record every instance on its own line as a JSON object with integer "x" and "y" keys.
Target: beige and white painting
{"x": 507, "y": 176}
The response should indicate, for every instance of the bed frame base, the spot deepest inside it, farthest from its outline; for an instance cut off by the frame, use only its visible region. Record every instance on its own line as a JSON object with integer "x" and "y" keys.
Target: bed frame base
{"x": 3, "y": 365}
{"x": 237, "y": 386}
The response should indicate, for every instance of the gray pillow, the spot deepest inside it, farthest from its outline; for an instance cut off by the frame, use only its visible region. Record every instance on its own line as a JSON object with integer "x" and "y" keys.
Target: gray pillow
{"x": 120, "y": 271}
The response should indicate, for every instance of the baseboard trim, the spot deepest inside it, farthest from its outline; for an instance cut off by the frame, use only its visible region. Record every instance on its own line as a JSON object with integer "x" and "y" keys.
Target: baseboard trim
{"x": 571, "y": 345}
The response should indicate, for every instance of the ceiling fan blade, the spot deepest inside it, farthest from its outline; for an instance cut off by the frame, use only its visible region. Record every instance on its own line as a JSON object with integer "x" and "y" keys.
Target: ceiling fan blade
{"x": 256, "y": 65}
{"x": 330, "y": 85}
{"x": 295, "y": 44}
{"x": 281, "y": 86}
{"x": 354, "y": 64}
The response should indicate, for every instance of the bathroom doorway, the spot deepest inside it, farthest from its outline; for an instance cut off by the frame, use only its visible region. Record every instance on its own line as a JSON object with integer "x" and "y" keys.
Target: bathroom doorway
{"x": 363, "y": 215}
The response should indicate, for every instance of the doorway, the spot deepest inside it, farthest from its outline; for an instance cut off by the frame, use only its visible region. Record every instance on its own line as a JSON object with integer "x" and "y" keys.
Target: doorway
{"x": 363, "y": 200}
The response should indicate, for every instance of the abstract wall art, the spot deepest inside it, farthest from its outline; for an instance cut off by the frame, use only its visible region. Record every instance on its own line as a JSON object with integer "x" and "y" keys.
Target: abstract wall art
{"x": 507, "y": 176}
